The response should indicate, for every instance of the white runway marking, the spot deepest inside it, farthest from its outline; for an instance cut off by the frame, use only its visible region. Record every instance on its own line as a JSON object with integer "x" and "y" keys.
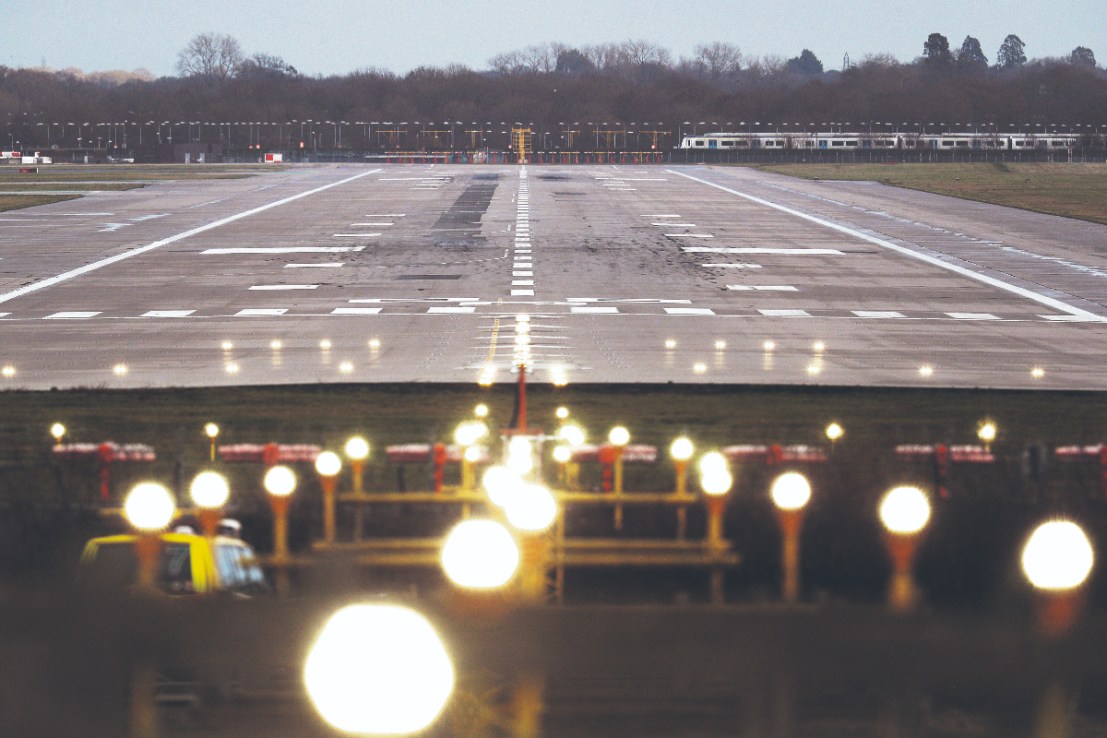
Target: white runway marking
{"x": 675, "y": 225}
{"x": 4, "y": 315}
{"x": 281, "y": 287}
{"x": 356, "y": 311}
{"x": 386, "y": 215}
{"x": 785, "y": 313}
{"x": 759, "y": 250}
{"x": 731, "y": 266}
{"x": 762, "y": 287}
{"x": 660, "y": 215}
{"x": 260, "y": 312}
{"x": 74, "y": 315}
{"x": 522, "y": 283}
{"x": 690, "y": 235}
{"x": 283, "y": 250}
{"x": 167, "y": 313}
{"x": 65, "y": 276}
{"x": 932, "y": 260}
{"x": 152, "y": 216}
{"x": 356, "y": 235}
{"x": 593, "y": 310}
{"x": 883, "y": 314}
{"x": 325, "y": 265}
{"x": 522, "y": 274}
{"x": 689, "y": 311}
{"x": 522, "y": 293}
{"x": 460, "y": 310}
{"x": 370, "y": 225}
{"x": 972, "y": 316}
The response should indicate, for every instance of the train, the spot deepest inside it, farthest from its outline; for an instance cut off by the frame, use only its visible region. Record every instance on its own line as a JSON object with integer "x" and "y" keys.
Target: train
{"x": 843, "y": 141}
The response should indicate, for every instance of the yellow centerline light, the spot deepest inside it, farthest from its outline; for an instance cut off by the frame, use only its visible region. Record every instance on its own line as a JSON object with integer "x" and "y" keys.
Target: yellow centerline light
{"x": 327, "y": 466}
{"x": 379, "y": 669}
{"x": 211, "y": 430}
{"x": 1057, "y": 559}
{"x": 904, "y": 511}
{"x": 790, "y": 493}
{"x": 209, "y": 491}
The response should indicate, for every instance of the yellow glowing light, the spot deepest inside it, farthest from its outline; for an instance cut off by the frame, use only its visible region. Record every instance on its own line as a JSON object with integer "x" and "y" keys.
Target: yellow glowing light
{"x": 562, "y": 454}
{"x": 791, "y": 491}
{"x": 818, "y": 347}
{"x": 211, "y": 430}
{"x": 533, "y": 509}
{"x": 481, "y": 411}
{"x": 120, "y": 370}
{"x": 926, "y": 370}
{"x": 57, "y": 430}
{"x": 670, "y": 343}
{"x": 619, "y": 436}
{"x": 520, "y": 457}
{"x": 834, "y": 431}
{"x": 905, "y": 510}
{"x": 713, "y": 461}
{"x": 572, "y": 434}
{"x": 378, "y": 669}
{"x": 814, "y": 370}
{"x": 500, "y": 483}
{"x": 682, "y": 449}
{"x": 280, "y": 481}
{"x": 522, "y": 340}
{"x": 149, "y": 507}
{"x": 487, "y": 377}
{"x": 346, "y": 367}
{"x": 522, "y": 318}
{"x": 987, "y": 431}
{"x": 1037, "y": 372}
{"x": 276, "y": 344}
{"x": 558, "y": 377}
{"x": 562, "y": 413}
{"x": 479, "y": 554}
{"x": 328, "y": 464}
{"x": 470, "y": 432}
{"x": 227, "y": 345}
{"x": 699, "y": 367}
{"x": 522, "y": 327}
{"x": 232, "y": 367}
{"x": 209, "y": 490}
{"x": 472, "y": 454}
{"x": 1058, "y": 556}
{"x": 374, "y": 343}
{"x": 357, "y": 448}
{"x": 720, "y": 345}
{"x": 768, "y": 346}
{"x": 717, "y": 483}
{"x": 8, "y": 371}
{"x": 326, "y": 344}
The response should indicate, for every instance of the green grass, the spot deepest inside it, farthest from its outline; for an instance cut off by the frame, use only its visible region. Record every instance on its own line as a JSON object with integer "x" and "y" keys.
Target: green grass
{"x": 15, "y": 202}
{"x": 1077, "y": 190}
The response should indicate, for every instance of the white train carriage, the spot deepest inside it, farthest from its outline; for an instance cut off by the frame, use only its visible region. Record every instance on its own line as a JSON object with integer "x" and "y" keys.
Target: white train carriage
{"x": 846, "y": 141}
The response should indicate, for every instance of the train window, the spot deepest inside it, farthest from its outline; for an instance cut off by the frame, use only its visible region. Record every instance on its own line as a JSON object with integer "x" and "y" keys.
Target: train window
{"x": 852, "y": 143}
{"x": 961, "y": 144}
{"x": 699, "y": 143}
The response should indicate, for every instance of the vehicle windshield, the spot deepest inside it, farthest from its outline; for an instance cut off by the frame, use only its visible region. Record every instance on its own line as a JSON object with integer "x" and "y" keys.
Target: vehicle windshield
{"x": 115, "y": 566}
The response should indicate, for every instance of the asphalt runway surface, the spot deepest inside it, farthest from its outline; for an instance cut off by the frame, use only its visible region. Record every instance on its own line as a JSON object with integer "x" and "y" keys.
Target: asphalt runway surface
{"x": 606, "y": 274}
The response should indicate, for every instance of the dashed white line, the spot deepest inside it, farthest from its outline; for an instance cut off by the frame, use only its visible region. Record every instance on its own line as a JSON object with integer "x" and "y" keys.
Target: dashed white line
{"x": 690, "y": 235}
{"x": 762, "y": 287}
{"x": 689, "y": 311}
{"x": 881, "y": 314}
{"x": 759, "y": 250}
{"x": 522, "y": 293}
{"x": 972, "y": 316}
{"x": 785, "y": 313}
{"x": 356, "y": 311}
{"x": 321, "y": 265}
{"x": 356, "y": 235}
{"x": 167, "y": 313}
{"x": 260, "y": 312}
{"x": 731, "y": 266}
{"x": 593, "y": 310}
{"x": 51, "y": 281}
{"x": 73, "y": 315}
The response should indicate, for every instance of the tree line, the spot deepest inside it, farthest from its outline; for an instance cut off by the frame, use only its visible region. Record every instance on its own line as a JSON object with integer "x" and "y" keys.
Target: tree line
{"x": 551, "y": 87}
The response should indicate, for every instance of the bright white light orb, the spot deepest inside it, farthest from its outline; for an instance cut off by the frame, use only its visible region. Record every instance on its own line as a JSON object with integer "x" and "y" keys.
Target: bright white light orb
{"x": 280, "y": 481}
{"x": 357, "y": 448}
{"x": 209, "y": 490}
{"x": 328, "y": 464}
{"x": 533, "y": 509}
{"x": 562, "y": 454}
{"x": 713, "y": 461}
{"x": 572, "y": 435}
{"x": 379, "y": 669}
{"x": 791, "y": 491}
{"x": 682, "y": 449}
{"x": 716, "y": 483}
{"x": 905, "y": 510}
{"x": 149, "y": 507}
{"x": 500, "y": 483}
{"x": 834, "y": 431}
{"x": 57, "y": 430}
{"x": 1058, "y": 556}
{"x": 619, "y": 436}
{"x": 520, "y": 457}
{"x": 480, "y": 554}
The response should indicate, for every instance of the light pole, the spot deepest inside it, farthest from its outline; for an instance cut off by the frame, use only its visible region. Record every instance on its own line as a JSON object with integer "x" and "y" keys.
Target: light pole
{"x": 357, "y": 451}
{"x": 280, "y": 482}
{"x": 681, "y": 450}
{"x": 715, "y": 481}
{"x": 467, "y": 435}
{"x": 211, "y": 430}
{"x": 327, "y": 465}
{"x": 904, "y": 511}
{"x": 57, "y": 430}
{"x": 790, "y": 492}
{"x": 619, "y": 437}
{"x": 148, "y": 507}
{"x": 532, "y": 510}
{"x": 209, "y": 491}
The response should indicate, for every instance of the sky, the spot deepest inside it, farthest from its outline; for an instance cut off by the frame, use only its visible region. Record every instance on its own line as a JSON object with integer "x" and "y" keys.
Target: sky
{"x": 325, "y": 37}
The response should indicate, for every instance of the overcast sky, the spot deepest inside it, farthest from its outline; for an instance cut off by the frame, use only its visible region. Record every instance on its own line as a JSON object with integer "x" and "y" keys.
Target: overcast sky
{"x": 339, "y": 36}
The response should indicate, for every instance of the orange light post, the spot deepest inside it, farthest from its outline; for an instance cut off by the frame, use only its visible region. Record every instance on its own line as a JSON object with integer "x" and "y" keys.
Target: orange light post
{"x": 209, "y": 491}
{"x": 715, "y": 481}
{"x": 790, "y": 493}
{"x": 57, "y": 430}
{"x": 211, "y": 430}
{"x": 280, "y": 482}
{"x": 619, "y": 438}
{"x": 357, "y": 451}
{"x": 681, "y": 450}
{"x": 1057, "y": 559}
{"x": 149, "y": 507}
{"x": 328, "y": 465}
{"x": 904, "y": 511}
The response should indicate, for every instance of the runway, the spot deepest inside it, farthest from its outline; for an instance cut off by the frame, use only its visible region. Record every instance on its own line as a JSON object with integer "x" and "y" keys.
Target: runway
{"x": 620, "y": 274}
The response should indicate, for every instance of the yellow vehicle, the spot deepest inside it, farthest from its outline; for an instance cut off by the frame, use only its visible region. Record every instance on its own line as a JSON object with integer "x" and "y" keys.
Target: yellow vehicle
{"x": 188, "y": 564}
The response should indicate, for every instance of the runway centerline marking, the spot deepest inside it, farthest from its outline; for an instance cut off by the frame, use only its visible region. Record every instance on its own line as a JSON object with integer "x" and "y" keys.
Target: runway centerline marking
{"x": 281, "y": 250}
{"x": 167, "y": 313}
{"x": 279, "y": 287}
{"x": 758, "y": 250}
{"x": 322, "y": 265}
{"x": 66, "y": 276}
{"x": 932, "y": 260}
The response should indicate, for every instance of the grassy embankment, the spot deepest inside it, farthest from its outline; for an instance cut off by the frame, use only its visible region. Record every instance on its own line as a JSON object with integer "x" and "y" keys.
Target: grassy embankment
{"x": 1077, "y": 190}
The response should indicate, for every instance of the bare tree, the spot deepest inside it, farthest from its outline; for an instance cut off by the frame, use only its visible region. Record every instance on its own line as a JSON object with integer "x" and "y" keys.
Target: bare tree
{"x": 719, "y": 60}
{"x": 212, "y": 56}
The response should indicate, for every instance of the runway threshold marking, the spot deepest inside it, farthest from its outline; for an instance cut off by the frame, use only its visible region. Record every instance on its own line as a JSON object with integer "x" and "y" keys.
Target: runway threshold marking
{"x": 1029, "y": 294}
{"x": 66, "y": 276}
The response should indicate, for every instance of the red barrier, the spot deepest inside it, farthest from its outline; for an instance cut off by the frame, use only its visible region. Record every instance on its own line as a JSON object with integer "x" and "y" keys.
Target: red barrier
{"x": 106, "y": 453}
{"x": 270, "y": 453}
{"x": 942, "y": 456}
{"x": 775, "y": 453}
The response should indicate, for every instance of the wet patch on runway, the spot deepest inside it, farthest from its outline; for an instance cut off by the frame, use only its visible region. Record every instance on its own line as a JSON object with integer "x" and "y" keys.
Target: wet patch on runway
{"x": 461, "y": 224}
